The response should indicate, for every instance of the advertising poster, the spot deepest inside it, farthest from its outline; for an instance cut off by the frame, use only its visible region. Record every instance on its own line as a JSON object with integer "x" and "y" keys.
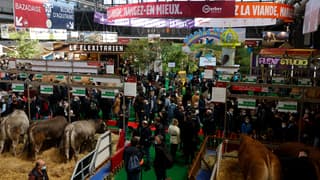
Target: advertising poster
{"x": 49, "y": 14}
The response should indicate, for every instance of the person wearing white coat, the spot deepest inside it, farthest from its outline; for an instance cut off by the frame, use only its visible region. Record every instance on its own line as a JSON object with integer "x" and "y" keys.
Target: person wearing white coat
{"x": 174, "y": 132}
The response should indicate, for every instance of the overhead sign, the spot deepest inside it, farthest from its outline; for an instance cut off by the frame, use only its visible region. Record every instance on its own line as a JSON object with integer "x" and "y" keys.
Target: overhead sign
{"x": 246, "y": 103}
{"x": 78, "y": 91}
{"x": 108, "y": 93}
{"x": 17, "y": 87}
{"x": 282, "y": 61}
{"x": 96, "y": 47}
{"x": 233, "y": 22}
{"x": 207, "y": 60}
{"x": 311, "y": 19}
{"x": 44, "y": 14}
{"x": 287, "y": 106}
{"x": 264, "y": 10}
{"x": 46, "y": 89}
{"x": 172, "y": 10}
{"x": 48, "y": 34}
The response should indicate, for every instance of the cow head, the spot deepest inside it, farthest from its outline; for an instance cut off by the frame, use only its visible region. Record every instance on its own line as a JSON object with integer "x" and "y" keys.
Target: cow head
{"x": 101, "y": 126}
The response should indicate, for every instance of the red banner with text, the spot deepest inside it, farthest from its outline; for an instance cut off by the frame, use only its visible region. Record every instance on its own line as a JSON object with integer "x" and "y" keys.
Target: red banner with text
{"x": 173, "y": 10}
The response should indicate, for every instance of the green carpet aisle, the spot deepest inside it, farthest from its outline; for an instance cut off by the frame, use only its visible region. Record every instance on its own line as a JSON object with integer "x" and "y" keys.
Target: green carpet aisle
{"x": 177, "y": 172}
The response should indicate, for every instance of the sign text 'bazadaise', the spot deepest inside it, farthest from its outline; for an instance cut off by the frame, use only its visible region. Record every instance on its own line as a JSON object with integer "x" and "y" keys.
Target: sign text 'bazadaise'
{"x": 282, "y": 61}
{"x": 96, "y": 47}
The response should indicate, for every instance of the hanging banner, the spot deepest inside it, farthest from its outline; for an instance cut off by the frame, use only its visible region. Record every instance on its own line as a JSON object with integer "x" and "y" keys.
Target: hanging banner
{"x": 44, "y": 14}
{"x": 38, "y": 76}
{"x": 17, "y": 87}
{"x": 250, "y": 79}
{"x": 264, "y": 10}
{"x": 108, "y": 93}
{"x": 246, "y": 103}
{"x": 219, "y": 94}
{"x": 78, "y": 91}
{"x": 287, "y": 106}
{"x": 46, "y": 89}
{"x": 278, "y": 80}
{"x": 187, "y": 9}
{"x": 304, "y": 82}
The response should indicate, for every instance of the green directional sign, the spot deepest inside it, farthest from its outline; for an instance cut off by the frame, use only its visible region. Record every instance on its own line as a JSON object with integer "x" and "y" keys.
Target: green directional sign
{"x": 78, "y": 91}
{"x": 23, "y": 75}
{"x": 251, "y": 79}
{"x": 59, "y": 77}
{"x": 107, "y": 93}
{"x": 278, "y": 80}
{"x": 287, "y": 106}
{"x": 246, "y": 103}
{"x": 17, "y": 87}
{"x": 46, "y": 89}
{"x": 76, "y": 78}
{"x": 225, "y": 78}
{"x": 304, "y": 82}
{"x": 38, "y": 76}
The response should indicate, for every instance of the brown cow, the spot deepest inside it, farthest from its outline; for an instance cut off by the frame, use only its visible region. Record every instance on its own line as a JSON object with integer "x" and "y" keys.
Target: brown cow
{"x": 79, "y": 132}
{"x": 291, "y": 149}
{"x": 41, "y": 131}
{"x": 257, "y": 162}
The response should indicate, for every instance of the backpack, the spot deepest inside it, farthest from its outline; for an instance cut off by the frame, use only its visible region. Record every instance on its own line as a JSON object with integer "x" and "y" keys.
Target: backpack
{"x": 133, "y": 164}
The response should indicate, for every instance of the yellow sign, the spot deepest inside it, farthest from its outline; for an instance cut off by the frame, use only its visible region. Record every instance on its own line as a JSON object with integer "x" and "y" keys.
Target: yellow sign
{"x": 297, "y": 62}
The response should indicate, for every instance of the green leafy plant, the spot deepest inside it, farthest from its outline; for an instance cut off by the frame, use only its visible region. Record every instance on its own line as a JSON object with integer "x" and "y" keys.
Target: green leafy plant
{"x": 25, "y": 47}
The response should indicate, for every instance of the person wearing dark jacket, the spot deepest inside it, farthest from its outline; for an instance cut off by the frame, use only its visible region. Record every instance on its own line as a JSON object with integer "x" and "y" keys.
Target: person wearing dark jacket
{"x": 39, "y": 172}
{"x": 159, "y": 162}
{"x": 128, "y": 152}
{"x": 145, "y": 142}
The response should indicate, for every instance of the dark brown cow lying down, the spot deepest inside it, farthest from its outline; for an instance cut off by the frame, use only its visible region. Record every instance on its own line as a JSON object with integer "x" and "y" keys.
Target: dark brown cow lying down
{"x": 291, "y": 149}
{"x": 41, "y": 131}
{"x": 257, "y": 162}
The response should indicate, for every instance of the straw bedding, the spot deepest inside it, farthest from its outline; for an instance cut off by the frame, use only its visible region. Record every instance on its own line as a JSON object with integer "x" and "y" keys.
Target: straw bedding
{"x": 229, "y": 167}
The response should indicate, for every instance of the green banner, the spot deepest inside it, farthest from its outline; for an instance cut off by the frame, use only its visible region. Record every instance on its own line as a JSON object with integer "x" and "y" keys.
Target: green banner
{"x": 46, "y": 89}
{"x": 76, "y": 78}
{"x": 38, "y": 76}
{"x": 304, "y": 82}
{"x": 59, "y": 77}
{"x": 107, "y": 93}
{"x": 17, "y": 87}
{"x": 225, "y": 78}
{"x": 23, "y": 75}
{"x": 287, "y": 106}
{"x": 278, "y": 80}
{"x": 78, "y": 91}
{"x": 251, "y": 79}
{"x": 246, "y": 103}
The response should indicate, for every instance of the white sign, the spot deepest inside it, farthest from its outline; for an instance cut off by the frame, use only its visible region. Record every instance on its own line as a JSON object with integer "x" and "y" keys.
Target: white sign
{"x": 46, "y": 89}
{"x": 287, "y": 106}
{"x": 171, "y": 64}
{"x": 48, "y": 34}
{"x": 208, "y": 74}
{"x": 108, "y": 93}
{"x": 1, "y": 50}
{"x": 246, "y": 103}
{"x": 16, "y": 87}
{"x": 207, "y": 61}
{"x": 233, "y": 22}
{"x": 219, "y": 94}
{"x": 110, "y": 69}
{"x": 78, "y": 91}
{"x": 130, "y": 89}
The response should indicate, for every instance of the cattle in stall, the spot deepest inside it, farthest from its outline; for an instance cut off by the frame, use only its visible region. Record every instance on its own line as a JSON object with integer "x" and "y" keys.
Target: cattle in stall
{"x": 291, "y": 149}
{"x": 12, "y": 127}
{"x": 44, "y": 130}
{"x": 258, "y": 162}
{"x": 79, "y": 132}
